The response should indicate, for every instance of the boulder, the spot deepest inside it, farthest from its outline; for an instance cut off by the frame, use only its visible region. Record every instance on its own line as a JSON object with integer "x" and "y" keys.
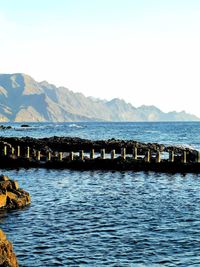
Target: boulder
{"x": 6, "y": 185}
{"x": 7, "y": 255}
{"x": 15, "y": 185}
{"x": 4, "y": 178}
{"x": 3, "y": 200}
{"x": 11, "y": 196}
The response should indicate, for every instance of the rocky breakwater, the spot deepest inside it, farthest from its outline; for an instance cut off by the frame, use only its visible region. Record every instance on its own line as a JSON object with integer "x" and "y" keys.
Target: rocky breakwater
{"x": 68, "y": 144}
{"x": 77, "y": 153}
{"x": 11, "y": 197}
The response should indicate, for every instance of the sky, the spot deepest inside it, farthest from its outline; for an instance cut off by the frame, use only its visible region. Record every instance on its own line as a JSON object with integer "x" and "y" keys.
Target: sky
{"x": 146, "y": 52}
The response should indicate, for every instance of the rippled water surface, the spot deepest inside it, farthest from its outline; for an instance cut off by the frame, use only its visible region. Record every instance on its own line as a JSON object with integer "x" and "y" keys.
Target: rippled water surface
{"x": 109, "y": 218}
{"x": 106, "y": 219}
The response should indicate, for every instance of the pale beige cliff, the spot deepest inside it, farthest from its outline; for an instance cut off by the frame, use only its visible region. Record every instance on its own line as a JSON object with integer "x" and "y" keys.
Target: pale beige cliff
{"x": 24, "y": 99}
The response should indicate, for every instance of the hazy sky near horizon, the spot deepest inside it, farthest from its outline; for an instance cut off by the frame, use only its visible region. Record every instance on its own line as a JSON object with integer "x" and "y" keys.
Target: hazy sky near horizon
{"x": 144, "y": 51}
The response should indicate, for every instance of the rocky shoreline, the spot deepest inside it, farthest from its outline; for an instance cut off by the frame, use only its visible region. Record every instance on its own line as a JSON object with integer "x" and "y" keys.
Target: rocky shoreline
{"x": 11, "y": 197}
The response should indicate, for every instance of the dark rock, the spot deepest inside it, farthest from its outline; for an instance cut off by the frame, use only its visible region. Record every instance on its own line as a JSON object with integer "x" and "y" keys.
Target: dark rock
{"x": 2, "y": 127}
{"x": 25, "y": 125}
{"x": 4, "y": 178}
{"x": 6, "y": 185}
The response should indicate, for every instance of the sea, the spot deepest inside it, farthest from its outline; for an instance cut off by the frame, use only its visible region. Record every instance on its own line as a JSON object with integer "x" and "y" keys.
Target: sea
{"x": 107, "y": 218}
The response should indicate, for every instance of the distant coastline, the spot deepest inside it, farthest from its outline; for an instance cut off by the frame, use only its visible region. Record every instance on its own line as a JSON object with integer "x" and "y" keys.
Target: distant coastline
{"x": 25, "y": 100}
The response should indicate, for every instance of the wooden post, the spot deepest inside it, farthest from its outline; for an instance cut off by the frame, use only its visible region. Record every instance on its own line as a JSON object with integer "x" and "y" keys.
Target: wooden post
{"x": 49, "y": 156}
{"x": 5, "y": 151}
{"x": 113, "y": 154}
{"x": 34, "y": 153}
{"x": 60, "y": 156}
{"x": 28, "y": 153}
{"x": 81, "y": 155}
{"x": 103, "y": 153}
{"x": 135, "y": 153}
{"x": 38, "y": 155}
{"x": 92, "y": 154}
{"x": 184, "y": 157}
{"x": 147, "y": 156}
{"x": 18, "y": 151}
{"x": 71, "y": 155}
{"x": 158, "y": 156}
{"x": 123, "y": 153}
{"x": 171, "y": 156}
{"x": 12, "y": 151}
{"x": 198, "y": 157}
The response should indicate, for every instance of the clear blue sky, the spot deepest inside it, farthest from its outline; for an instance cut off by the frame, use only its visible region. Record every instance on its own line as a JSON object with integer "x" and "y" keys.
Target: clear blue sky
{"x": 144, "y": 51}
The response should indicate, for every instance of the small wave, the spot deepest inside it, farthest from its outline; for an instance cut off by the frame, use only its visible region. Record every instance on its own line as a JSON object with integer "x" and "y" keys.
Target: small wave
{"x": 35, "y": 127}
{"x": 24, "y": 128}
{"x": 73, "y": 125}
{"x": 151, "y": 131}
{"x": 30, "y": 128}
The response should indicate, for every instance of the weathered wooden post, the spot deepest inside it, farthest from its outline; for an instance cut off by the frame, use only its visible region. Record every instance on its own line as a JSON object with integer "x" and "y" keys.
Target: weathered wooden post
{"x": 198, "y": 157}
{"x": 12, "y": 151}
{"x": 113, "y": 154}
{"x": 34, "y": 153}
{"x": 71, "y": 155}
{"x": 81, "y": 155}
{"x": 28, "y": 152}
{"x": 147, "y": 156}
{"x": 60, "y": 156}
{"x": 171, "y": 156}
{"x": 184, "y": 157}
{"x": 92, "y": 154}
{"x": 5, "y": 151}
{"x": 18, "y": 151}
{"x": 158, "y": 156}
{"x": 103, "y": 153}
{"x": 38, "y": 155}
{"x": 48, "y": 156}
{"x": 123, "y": 152}
{"x": 135, "y": 153}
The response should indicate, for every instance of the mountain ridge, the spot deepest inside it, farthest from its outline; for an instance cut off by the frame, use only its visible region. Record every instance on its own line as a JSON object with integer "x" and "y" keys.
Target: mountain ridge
{"x": 24, "y": 99}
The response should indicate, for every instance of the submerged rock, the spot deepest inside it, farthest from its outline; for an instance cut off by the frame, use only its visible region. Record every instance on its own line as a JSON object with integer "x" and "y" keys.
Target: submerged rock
{"x": 3, "y": 127}
{"x": 25, "y": 125}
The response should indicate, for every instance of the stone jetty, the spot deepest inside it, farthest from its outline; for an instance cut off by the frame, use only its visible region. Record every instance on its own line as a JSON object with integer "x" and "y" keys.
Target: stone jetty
{"x": 84, "y": 154}
{"x": 11, "y": 197}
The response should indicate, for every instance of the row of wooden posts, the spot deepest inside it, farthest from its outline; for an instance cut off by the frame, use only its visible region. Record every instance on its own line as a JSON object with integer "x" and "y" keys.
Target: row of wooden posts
{"x": 147, "y": 157}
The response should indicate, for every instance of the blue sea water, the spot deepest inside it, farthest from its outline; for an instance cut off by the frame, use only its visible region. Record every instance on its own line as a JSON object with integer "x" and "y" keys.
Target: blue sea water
{"x": 107, "y": 218}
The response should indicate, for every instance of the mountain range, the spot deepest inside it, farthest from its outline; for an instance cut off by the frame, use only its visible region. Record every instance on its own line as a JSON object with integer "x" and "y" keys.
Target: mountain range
{"x": 24, "y": 99}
